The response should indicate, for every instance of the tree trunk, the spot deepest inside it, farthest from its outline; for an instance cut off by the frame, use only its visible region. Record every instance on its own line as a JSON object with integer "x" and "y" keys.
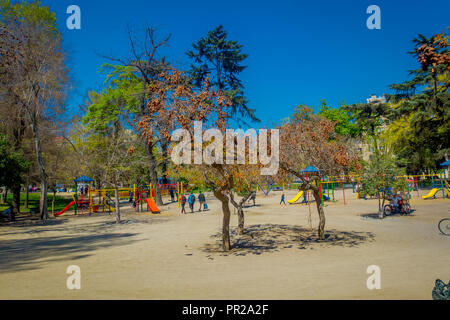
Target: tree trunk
{"x": 153, "y": 173}
{"x": 53, "y": 200}
{"x": 26, "y": 191}
{"x": 16, "y": 200}
{"x": 321, "y": 228}
{"x": 43, "y": 200}
{"x": 226, "y": 243}
{"x": 117, "y": 205}
{"x": 4, "y": 194}
{"x": 381, "y": 209}
{"x": 240, "y": 212}
{"x": 40, "y": 161}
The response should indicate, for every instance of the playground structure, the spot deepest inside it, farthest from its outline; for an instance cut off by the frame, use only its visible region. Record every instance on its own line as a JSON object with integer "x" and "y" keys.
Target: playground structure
{"x": 330, "y": 185}
{"x": 94, "y": 201}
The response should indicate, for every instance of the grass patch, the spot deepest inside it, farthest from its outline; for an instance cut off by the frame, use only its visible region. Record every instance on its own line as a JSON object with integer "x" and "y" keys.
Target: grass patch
{"x": 33, "y": 202}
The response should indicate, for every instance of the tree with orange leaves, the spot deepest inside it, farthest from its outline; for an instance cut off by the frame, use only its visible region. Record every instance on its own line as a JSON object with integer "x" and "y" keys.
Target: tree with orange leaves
{"x": 176, "y": 103}
{"x": 310, "y": 140}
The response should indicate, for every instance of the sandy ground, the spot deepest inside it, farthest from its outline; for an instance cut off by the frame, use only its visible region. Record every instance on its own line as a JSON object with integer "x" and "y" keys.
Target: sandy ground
{"x": 175, "y": 256}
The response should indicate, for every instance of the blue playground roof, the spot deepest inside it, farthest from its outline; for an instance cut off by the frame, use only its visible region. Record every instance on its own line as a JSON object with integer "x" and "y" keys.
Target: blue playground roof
{"x": 83, "y": 179}
{"x": 310, "y": 169}
{"x": 445, "y": 164}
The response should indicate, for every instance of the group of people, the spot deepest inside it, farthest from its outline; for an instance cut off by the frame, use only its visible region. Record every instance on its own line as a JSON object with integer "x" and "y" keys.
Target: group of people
{"x": 396, "y": 200}
{"x": 191, "y": 201}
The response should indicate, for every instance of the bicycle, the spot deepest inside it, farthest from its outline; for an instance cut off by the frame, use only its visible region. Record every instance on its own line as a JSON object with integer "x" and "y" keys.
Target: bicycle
{"x": 403, "y": 208}
{"x": 444, "y": 226}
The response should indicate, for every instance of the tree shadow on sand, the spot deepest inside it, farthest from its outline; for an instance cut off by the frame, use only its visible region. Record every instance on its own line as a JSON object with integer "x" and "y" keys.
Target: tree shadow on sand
{"x": 36, "y": 226}
{"x": 262, "y": 238}
{"x": 28, "y": 254}
{"x": 375, "y": 216}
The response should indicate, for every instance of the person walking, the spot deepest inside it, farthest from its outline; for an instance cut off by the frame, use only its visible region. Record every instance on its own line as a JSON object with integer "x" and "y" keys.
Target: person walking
{"x": 191, "y": 201}
{"x": 183, "y": 203}
{"x": 201, "y": 199}
{"x": 253, "y": 197}
{"x": 282, "y": 199}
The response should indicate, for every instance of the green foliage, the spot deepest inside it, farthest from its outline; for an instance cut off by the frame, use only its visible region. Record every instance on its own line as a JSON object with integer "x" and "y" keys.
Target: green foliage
{"x": 424, "y": 101}
{"x": 34, "y": 13}
{"x": 120, "y": 98}
{"x": 381, "y": 174}
{"x": 368, "y": 117}
{"x": 221, "y": 59}
{"x": 344, "y": 119}
{"x": 12, "y": 164}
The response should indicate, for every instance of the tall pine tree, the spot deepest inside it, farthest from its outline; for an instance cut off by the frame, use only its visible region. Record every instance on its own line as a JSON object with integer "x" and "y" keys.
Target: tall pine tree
{"x": 221, "y": 59}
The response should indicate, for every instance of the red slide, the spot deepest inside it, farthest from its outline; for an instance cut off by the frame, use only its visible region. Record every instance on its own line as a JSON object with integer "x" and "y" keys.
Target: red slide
{"x": 152, "y": 205}
{"x": 65, "y": 209}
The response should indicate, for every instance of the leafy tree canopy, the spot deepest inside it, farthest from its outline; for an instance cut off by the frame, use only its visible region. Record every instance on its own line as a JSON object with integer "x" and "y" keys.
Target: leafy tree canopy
{"x": 344, "y": 119}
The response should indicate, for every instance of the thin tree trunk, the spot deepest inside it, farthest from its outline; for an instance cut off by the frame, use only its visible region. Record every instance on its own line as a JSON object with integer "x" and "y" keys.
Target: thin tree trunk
{"x": 240, "y": 211}
{"x": 16, "y": 200}
{"x": 4, "y": 194}
{"x": 153, "y": 174}
{"x": 321, "y": 228}
{"x": 43, "y": 200}
{"x": 40, "y": 161}
{"x": 26, "y": 191}
{"x": 226, "y": 243}
{"x": 381, "y": 209}
{"x": 53, "y": 200}
{"x": 117, "y": 205}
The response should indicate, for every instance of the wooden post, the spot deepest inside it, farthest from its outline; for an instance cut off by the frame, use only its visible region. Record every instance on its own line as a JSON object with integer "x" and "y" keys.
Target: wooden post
{"x": 320, "y": 189}
{"x": 417, "y": 185}
{"x": 76, "y": 198}
{"x": 90, "y": 197}
{"x": 332, "y": 188}
{"x": 343, "y": 191}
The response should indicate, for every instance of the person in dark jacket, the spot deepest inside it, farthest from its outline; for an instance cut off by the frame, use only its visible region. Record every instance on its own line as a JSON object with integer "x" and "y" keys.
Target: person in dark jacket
{"x": 183, "y": 203}
{"x": 202, "y": 200}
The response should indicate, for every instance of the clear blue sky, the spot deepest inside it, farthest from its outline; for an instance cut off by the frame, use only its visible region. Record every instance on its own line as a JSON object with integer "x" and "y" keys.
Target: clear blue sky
{"x": 299, "y": 51}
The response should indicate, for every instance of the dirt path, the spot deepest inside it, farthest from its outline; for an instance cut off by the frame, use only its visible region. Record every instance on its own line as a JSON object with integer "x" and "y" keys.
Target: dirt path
{"x": 174, "y": 256}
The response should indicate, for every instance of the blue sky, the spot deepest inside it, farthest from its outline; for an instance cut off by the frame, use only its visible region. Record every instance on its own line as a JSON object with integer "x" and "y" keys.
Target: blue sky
{"x": 299, "y": 51}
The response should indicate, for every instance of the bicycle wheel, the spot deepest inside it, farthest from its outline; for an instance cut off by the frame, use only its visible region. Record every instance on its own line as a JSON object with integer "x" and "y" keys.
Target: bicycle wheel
{"x": 444, "y": 226}
{"x": 387, "y": 210}
{"x": 406, "y": 208}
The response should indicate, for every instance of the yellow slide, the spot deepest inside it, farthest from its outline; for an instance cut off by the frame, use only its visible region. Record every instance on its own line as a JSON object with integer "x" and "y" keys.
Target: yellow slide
{"x": 295, "y": 199}
{"x": 107, "y": 206}
{"x": 431, "y": 193}
{"x": 447, "y": 191}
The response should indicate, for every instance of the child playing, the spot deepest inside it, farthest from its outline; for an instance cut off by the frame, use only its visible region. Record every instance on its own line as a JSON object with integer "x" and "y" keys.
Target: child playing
{"x": 282, "y": 199}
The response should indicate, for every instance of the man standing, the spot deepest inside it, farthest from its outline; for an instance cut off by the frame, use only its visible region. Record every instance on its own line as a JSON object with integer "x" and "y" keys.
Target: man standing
{"x": 253, "y": 197}
{"x": 201, "y": 199}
